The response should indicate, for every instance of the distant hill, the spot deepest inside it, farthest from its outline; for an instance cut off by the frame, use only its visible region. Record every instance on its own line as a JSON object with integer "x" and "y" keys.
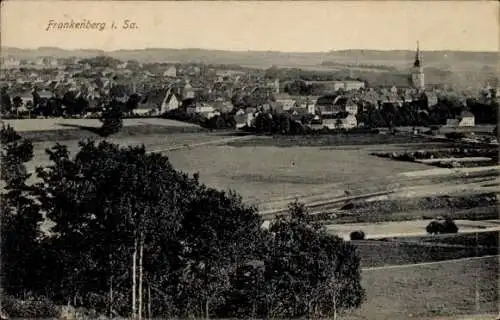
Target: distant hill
{"x": 396, "y": 58}
{"x": 455, "y": 66}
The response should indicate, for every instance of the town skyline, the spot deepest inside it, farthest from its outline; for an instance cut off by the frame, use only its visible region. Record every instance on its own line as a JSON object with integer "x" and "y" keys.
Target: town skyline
{"x": 295, "y": 27}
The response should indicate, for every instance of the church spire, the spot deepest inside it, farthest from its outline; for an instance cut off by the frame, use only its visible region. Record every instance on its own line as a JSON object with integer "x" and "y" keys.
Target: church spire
{"x": 416, "y": 64}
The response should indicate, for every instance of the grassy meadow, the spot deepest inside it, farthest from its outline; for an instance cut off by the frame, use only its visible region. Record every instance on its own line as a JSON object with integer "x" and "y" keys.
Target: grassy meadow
{"x": 485, "y": 239}
{"x": 52, "y": 130}
{"x": 450, "y": 288}
{"x": 327, "y": 140}
{"x": 267, "y": 174}
{"x": 50, "y": 124}
{"x": 379, "y": 253}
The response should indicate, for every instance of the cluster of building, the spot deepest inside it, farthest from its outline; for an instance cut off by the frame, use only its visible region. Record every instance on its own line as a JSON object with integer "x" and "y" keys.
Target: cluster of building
{"x": 207, "y": 91}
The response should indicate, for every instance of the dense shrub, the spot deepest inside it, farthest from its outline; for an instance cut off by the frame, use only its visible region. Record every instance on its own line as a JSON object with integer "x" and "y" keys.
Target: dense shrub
{"x": 347, "y": 206}
{"x": 30, "y": 307}
{"x": 442, "y": 226}
{"x": 184, "y": 257}
{"x": 112, "y": 120}
{"x": 357, "y": 235}
{"x": 455, "y": 135}
{"x": 434, "y": 227}
{"x": 324, "y": 216}
{"x": 450, "y": 226}
{"x": 223, "y": 121}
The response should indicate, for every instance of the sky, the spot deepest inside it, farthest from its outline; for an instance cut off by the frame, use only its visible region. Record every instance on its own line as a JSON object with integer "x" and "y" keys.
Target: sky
{"x": 292, "y": 26}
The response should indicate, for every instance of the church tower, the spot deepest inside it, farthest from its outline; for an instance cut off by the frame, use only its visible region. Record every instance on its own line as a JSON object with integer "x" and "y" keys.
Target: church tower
{"x": 417, "y": 72}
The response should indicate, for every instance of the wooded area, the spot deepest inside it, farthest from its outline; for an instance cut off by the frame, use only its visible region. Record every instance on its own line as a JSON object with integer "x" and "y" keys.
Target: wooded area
{"x": 133, "y": 236}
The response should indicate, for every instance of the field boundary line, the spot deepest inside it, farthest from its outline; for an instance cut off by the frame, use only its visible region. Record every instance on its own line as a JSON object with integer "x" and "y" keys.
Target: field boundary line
{"x": 334, "y": 200}
{"x": 403, "y": 266}
{"x": 423, "y": 234}
{"x": 188, "y": 146}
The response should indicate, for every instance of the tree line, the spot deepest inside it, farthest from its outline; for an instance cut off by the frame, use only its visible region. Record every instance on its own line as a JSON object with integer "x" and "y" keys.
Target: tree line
{"x": 418, "y": 113}
{"x": 70, "y": 105}
{"x": 133, "y": 236}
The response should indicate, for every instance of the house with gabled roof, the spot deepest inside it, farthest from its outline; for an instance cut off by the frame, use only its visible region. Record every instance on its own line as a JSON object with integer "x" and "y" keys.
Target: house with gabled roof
{"x": 286, "y": 100}
{"x": 432, "y": 99}
{"x": 244, "y": 118}
{"x": 341, "y": 121}
{"x": 171, "y": 72}
{"x": 170, "y": 102}
{"x": 223, "y": 106}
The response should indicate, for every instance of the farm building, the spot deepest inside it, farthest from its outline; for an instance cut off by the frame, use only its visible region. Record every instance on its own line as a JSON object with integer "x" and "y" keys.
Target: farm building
{"x": 353, "y": 85}
{"x": 243, "y": 118}
{"x": 223, "y": 106}
{"x": 329, "y": 110}
{"x": 432, "y": 99}
{"x": 158, "y": 100}
{"x": 333, "y": 86}
{"x": 170, "y": 102}
{"x": 171, "y": 72}
{"x": 347, "y": 122}
{"x": 286, "y": 100}
{"x": 466, "y": 119}
{"x": 203, "y": 109}
{"x": 188, "y": 91}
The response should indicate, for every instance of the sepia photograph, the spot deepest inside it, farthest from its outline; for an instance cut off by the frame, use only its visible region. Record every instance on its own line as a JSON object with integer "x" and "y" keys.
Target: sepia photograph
{"x": 249, "y": 160}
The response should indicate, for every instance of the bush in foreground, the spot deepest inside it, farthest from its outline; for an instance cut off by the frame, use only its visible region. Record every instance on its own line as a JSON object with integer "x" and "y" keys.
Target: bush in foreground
{"x": 112, "y": 120}
{"x": 29, "y": 307}
{"x": 304, "y": 272}
{"x": 455, "y": 135}
{"x": 357, "y": 235}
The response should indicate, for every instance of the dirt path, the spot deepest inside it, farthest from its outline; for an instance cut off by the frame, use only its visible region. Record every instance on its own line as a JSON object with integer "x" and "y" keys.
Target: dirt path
{"x": 413, "y": 265}
{"x": 447, "y": 171}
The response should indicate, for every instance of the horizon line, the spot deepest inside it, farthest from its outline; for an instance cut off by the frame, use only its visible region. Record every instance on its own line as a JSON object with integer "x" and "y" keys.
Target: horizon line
{"x": 239, "y": 50}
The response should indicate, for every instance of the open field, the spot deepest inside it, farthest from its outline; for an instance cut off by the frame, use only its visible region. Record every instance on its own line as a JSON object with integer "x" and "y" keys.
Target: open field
{"x": 352, "y": 139}
{"x": 483, "y": 128}
{"x": 406, "y": 228}
{"x": 464, "y": 156}
{"x": 466, "y": 205}
{"x": 66, "y": 130}
{"x": 263, "y": 174}
{"x": 272, "y": 177}
{"x": 488, "y": 239}
{"x": 448, "y": 289}
{"x": 403, "y": 196}
{"x": 24, "y": 125}
{"x": 434, "y": 146}
{"x": 380, "y": 253}
{"x": 93, "y": 133}
{"x": 492, "y": 170}
{"x": 267, "y": 175}
{"x": 473, "y": 214}
{"x": 154, "y": 142}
